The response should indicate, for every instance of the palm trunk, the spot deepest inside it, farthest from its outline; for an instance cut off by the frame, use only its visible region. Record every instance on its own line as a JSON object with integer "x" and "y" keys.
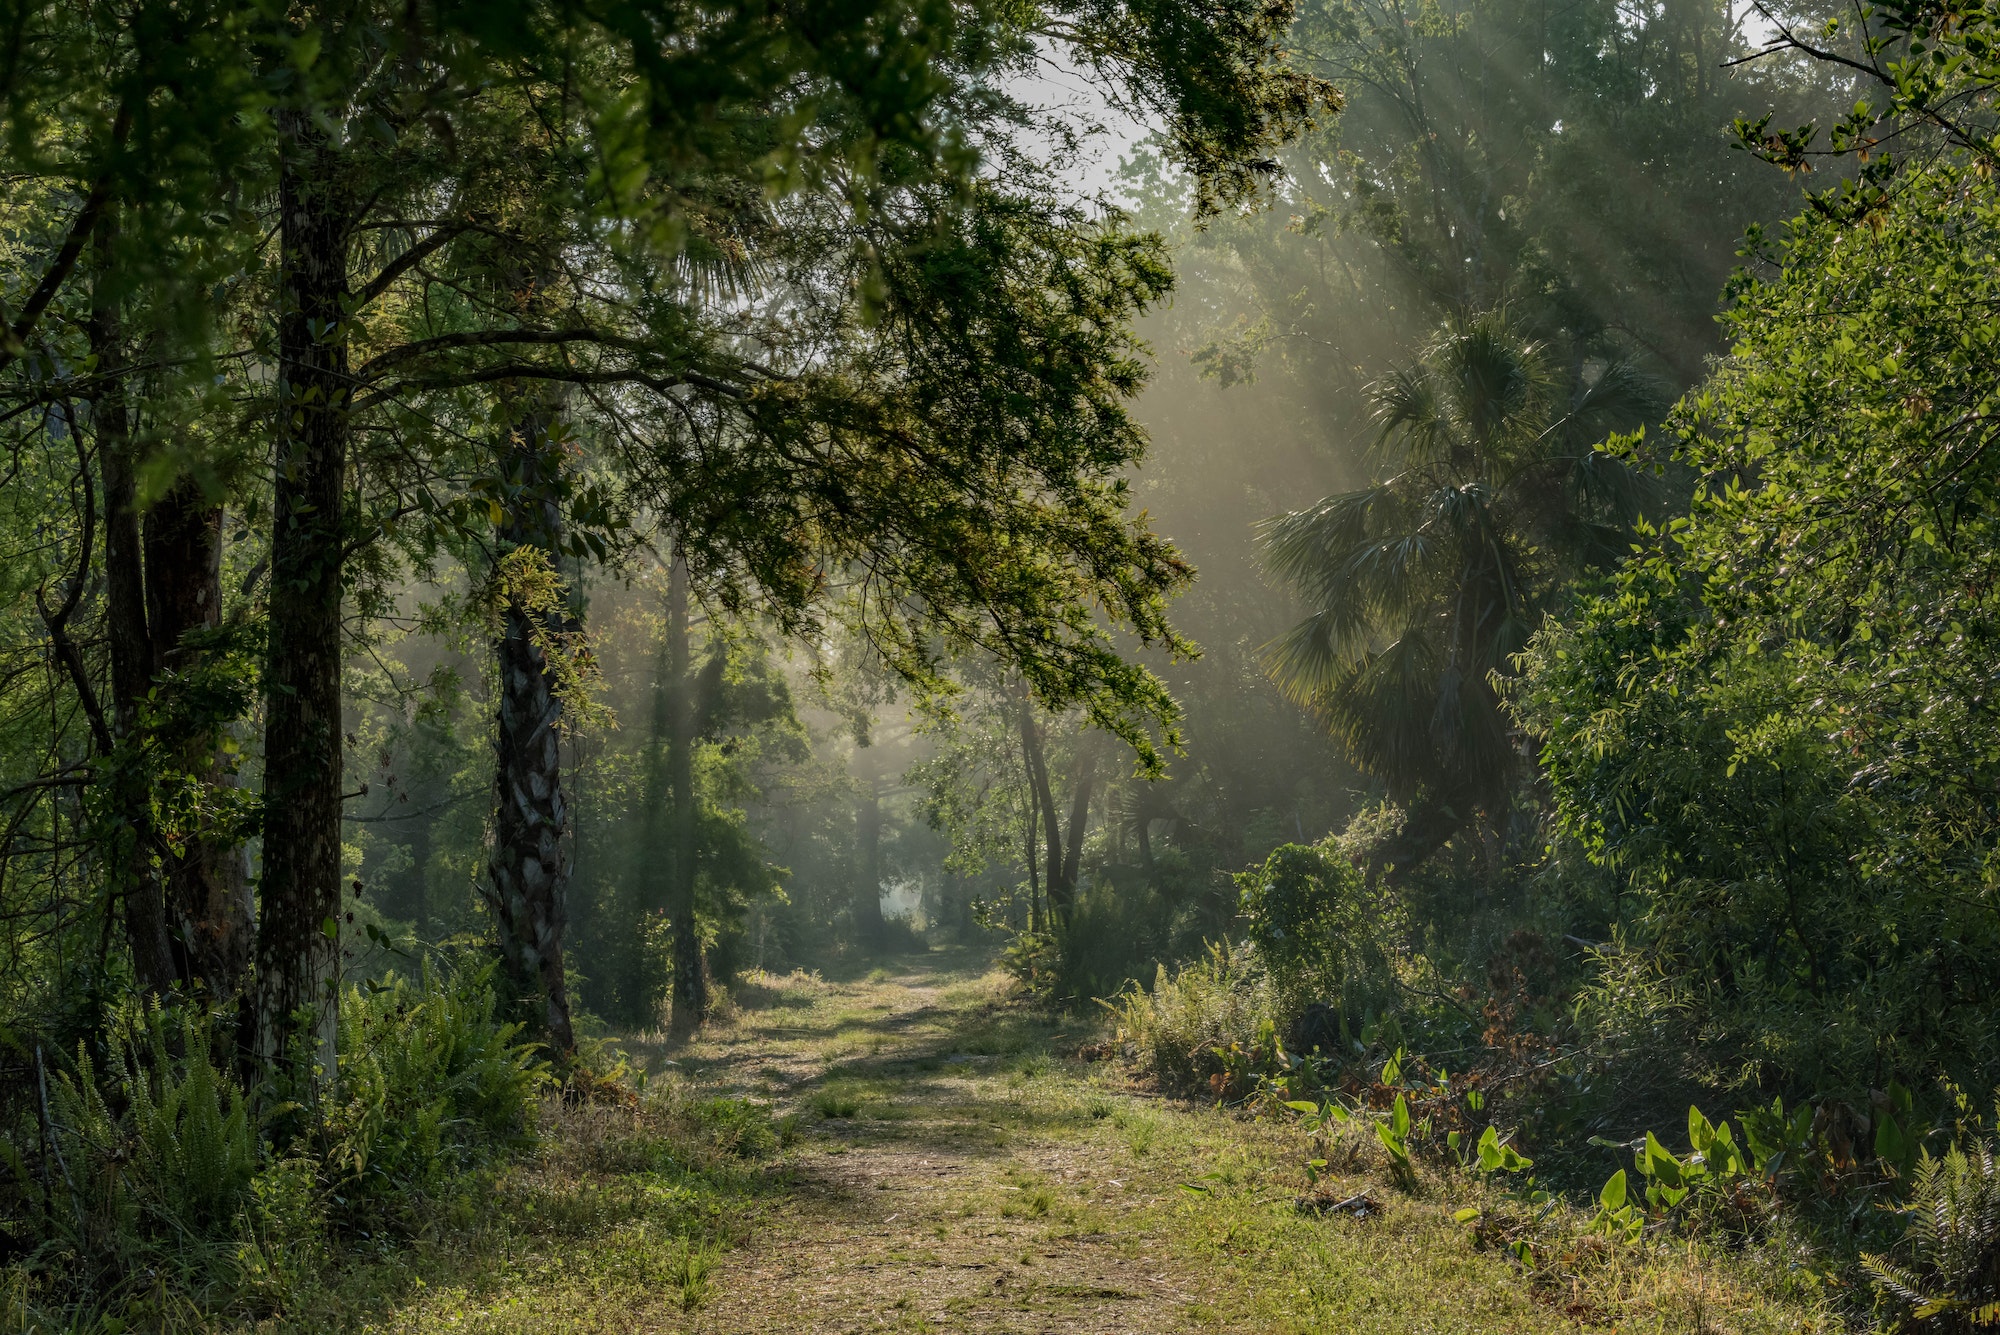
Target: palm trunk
{"x": 528, "y": 873}
{"x": 690, "y": 986}
{"x": 298, "y": 933}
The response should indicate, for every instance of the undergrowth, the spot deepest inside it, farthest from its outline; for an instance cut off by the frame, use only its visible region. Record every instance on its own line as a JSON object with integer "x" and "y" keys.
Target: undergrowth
{"x": 154, "y": 1193}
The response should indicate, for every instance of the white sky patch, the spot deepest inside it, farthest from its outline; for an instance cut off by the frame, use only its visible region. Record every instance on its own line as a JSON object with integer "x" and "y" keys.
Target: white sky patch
{"x": 1060, "y": 90}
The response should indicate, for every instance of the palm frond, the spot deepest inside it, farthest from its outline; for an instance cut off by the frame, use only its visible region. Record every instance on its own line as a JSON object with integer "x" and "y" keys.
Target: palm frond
{"x": 1500, "y": 381}
{"x": 1381, "y": 710}
{"x": 1316, "y": 653}
{"x": 1608, "y": 484}
{"x": 1301, "y": 546}
{"x": 1621, "y": 396}
{"x": 1410, "y": 412}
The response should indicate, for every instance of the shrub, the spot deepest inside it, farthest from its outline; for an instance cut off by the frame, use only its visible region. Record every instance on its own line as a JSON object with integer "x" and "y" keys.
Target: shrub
{"x": 157, "y": 1173}
{"x": 1323, "y": 934}
{"x": 1221, "y": 999}
{"x": 284, "y": 1246}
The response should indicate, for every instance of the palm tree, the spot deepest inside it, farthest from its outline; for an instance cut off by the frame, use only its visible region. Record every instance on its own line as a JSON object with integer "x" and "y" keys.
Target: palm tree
{"x": 1422, "y": 586}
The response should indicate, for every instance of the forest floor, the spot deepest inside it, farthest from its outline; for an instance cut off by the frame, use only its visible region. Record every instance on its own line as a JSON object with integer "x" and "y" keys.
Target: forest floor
{"x": 945, "y": 1163}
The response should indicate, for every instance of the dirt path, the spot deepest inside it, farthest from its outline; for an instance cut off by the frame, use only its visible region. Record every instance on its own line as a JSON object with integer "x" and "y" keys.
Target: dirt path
{"x": 949, "y": 1173}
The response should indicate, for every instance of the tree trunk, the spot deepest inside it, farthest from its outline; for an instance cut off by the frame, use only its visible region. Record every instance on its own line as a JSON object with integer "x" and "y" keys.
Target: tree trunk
{"x": 684, "y": 707}
{"x": 298, "y": 935}
{"x": 420, "y": 889}
{"x": 1062, "y": 894}
{"x": 529, "y": 868}
{"x": 1032, "y": 856}
{"x": 207, "y": 883}
{"x": 869, "y": 926}
{"x": 155, "y": 964}
{"x": 1032, "y": 800}
{"x": 1045, "y": 800}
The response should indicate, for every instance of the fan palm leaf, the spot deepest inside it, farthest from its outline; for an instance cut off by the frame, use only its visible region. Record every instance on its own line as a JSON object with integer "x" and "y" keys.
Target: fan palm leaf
{"x": 1420, "y": 588}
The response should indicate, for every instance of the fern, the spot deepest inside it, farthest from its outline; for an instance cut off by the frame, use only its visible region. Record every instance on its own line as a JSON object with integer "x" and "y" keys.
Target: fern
{"x": 1953, "y": 1280}
{"x": 431, "y": 1080}
{"x": 169, "y": 1171}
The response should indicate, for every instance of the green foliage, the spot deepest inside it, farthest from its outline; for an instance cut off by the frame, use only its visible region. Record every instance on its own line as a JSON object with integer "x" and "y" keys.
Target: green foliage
{"x": 1951, "y": 1280}
{"x": 285, "y": 1251}
{"x": 1422, "y": 586}
{"x": 1393, "y": 1134}
{"x": 1206, "y": 1005}
{"x": 1769, "y": 729}
{"x": 156, "y": 1172}
{"x": 431, "y": 1082}
{"x": 737, "y": 1126}
{"x": 1323, "y": 934}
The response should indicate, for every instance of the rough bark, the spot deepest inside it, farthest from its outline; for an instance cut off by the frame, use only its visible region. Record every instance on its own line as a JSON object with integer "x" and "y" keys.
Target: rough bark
{"x": 528, "y": 873}
{"x": 298, "y": 945}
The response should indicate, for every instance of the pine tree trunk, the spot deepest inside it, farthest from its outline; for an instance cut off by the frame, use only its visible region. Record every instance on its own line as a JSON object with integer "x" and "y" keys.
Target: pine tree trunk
{"x": 690, "y": 992}
{"x": 298, "y": 937}
{"x": 528, "y": 874}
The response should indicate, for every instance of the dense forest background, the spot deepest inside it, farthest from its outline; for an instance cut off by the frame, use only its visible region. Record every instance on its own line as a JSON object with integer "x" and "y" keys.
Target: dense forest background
{"x": 1465, "y": 553}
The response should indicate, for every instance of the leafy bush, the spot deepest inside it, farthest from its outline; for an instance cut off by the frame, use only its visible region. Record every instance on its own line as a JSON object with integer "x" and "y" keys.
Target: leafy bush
{"x": 284, "y": 1248}
{"x": 737, "y": 1126}
{"x": 1324, "y": 935}
{"x": 156, "y": 1173}
{"x": 1772, "y": 724}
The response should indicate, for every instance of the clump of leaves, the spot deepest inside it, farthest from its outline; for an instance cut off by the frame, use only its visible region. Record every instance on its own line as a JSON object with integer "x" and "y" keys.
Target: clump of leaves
{"x": 154, "y": 1154}
{"x": 1952, "y": 1282}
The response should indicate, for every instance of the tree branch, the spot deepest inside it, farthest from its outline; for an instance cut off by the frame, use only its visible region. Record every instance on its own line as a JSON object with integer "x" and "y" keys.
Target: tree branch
{"x": 442, "y": 236}
{"x": 58, "y": 273}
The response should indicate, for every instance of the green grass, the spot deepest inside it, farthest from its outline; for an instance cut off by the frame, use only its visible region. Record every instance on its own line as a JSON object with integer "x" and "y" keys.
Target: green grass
{"x": 915, "y": 1152}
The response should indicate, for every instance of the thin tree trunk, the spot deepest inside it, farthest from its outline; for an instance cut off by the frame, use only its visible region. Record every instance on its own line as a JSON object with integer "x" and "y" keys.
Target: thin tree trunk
{"x": 528, "y": 873}
{"x": 1045, "y": 798}
{"x": 684, "y": 709}
{"x": 1062, "y": 894}
{"x": 1032, "y": 857}
{"x": 869, "y": 925}
{"x": 298, "y": 929}
{"x": 420, "y": 890}
{"x": 1032, "y": 801}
